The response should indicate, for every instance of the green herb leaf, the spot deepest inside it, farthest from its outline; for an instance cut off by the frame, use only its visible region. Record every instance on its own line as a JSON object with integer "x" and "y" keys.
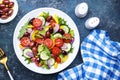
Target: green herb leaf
{"x": 23, "y": 30}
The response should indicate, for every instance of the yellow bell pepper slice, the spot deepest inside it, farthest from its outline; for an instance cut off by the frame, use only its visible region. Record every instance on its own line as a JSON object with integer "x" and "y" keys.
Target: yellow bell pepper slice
{"x": 21, "y": 46}
{"x": 62, "y": 27}
{"x": 65, "y": 58}
{"x": 55, "y": 17}
{"x": 33, "y": 34}
{"x": 55, "y": 65}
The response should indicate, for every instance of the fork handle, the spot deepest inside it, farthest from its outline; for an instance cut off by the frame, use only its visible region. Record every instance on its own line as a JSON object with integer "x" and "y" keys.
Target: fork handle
{"x": 8, "y": 72}
{"x": 10, "y": 75}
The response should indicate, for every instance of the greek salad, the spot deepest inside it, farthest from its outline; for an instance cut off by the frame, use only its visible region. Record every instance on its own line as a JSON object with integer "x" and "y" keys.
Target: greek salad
{"x": 46, "y": 40}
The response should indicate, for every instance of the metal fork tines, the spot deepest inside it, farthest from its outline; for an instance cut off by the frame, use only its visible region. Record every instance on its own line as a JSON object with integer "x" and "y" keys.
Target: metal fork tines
{"x": 3, "y": 60}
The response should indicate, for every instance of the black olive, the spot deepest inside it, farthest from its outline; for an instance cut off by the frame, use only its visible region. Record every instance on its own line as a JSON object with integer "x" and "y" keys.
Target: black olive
{"x": 64, "y": 52}
{"x": 61, "y": 31}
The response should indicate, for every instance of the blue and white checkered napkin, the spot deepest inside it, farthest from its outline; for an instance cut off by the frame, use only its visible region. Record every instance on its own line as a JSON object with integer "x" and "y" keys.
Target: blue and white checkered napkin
{"x": 101, "y": 59}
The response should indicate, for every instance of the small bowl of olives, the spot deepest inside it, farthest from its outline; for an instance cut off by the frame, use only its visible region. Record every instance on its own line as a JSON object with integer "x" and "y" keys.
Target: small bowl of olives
{"x": 8, "y": 10}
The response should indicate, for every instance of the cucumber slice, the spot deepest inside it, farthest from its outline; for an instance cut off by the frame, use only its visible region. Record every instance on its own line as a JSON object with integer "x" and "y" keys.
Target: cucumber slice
{"x": 44, "y": 55}
{"x": 28, "y": 53}
{"x": 51, "y": 62}
{"x": 65, "y": 28}
{"x": 66, "y": 47}
{"x": 57, "y": 35}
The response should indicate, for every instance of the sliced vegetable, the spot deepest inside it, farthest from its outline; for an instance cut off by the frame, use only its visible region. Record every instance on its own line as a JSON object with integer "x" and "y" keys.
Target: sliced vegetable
{"x": 32, "y": 35}
{"x": 48, "y": 42}
{"x": 57, "y": 35}
{"x": 59, "y": 42}
{"x": 55, "y": 17}
{"x": 25, "y": 41}
{"x": 55, "y": 65}
{"x": 37, "y": 22}
{"x": 39, "y": 41}
{"x": 58, "y": 59}
{"x": 64, "y": 58}
{"x": 56, "y": 51}
{"x": 65, "y": 28}
{"x": 28, "y": 53}
{"x": 66, "y": 47}
{"x": 44, "y": 55}
{"x": 51, "y": 62}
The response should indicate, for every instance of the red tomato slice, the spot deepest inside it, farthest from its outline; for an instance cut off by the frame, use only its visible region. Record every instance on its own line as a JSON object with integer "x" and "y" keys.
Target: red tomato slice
{"x": 37, "y": 22}
{"x": 39, "y": 41}
{"x": 67, "y": 38}
{"x": 56, "y": 51}
{"x": 59, "y": 42}
{"x": 58, "y": 60}
{"x": 25, "y": 41}
{"x": 48, "y": 42}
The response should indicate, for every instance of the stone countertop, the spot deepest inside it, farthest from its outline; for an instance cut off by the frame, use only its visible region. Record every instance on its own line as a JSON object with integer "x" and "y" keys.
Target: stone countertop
{"x": 107, "y": 10}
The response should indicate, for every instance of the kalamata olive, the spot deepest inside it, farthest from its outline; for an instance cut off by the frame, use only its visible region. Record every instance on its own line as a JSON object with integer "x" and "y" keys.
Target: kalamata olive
{"x": 11, "y": 4}
{"x": 34, "y": 50}
{"x": 5, "y": 9}
{"x": 10, "y": 12}
{"x": 4, "y": 17}
{"x": 64, "y": 52}
{"x": 2, "y": 6}
{"x": 32, "y": 43}
{"x": 38, "y": 59}
{"x": 49, "y": 18}
{"x": 6, "y": 2}
{"x": 47, "y": 34}
{"x": 61, "y": 31}
{"x": 2, "y": 12}
{"x": 51, "y": 30}
{"x": 31, "y": 21}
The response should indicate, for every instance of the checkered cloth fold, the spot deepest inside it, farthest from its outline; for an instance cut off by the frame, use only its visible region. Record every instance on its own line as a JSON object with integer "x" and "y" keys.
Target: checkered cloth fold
{"x": 101, "y": 59}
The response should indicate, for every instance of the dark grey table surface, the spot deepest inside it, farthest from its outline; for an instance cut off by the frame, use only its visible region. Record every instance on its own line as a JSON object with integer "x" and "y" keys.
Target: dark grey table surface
{"x": 107, "y": 10}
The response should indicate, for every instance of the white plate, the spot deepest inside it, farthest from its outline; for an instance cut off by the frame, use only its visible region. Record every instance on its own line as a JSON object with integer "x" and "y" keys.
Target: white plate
{"x": 32, "y": 66}
{"x": 15, "y": 11}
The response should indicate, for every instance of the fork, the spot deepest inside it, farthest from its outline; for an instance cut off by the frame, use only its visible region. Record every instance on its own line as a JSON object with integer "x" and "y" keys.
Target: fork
{"x": 3, "y": 60}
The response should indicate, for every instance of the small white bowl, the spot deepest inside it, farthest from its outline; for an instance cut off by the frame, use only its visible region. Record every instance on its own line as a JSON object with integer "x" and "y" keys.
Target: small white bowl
{"x": 15, "y": 11}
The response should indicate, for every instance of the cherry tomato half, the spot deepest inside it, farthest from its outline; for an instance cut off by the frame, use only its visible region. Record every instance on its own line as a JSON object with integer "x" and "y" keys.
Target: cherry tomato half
{"x": 48, "y": 42}
{"x": 37, "y": 22}
{"x": 39, "y": 41}
{"x": 59, "y": 42}
{"x": 67, "y": 38}
{"x": 58, "y": 60}
{"x": 25, "y": 41}
{"x": 56, "y": 51}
